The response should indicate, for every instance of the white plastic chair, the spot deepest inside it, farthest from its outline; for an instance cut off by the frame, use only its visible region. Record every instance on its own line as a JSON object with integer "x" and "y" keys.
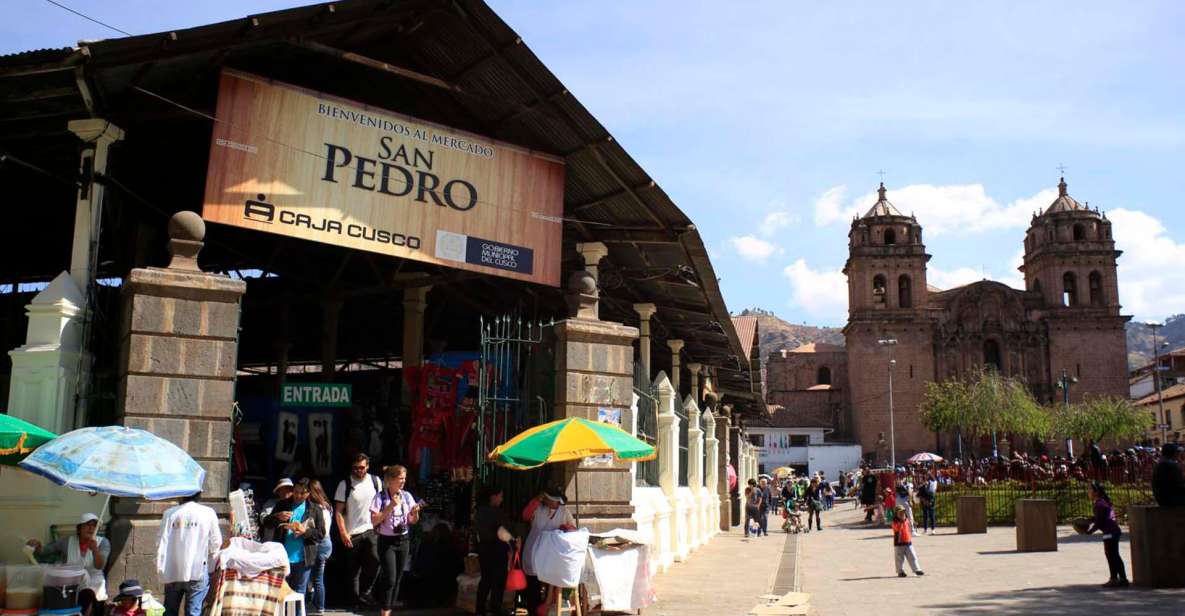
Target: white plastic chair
{"x": 289, "y": 606}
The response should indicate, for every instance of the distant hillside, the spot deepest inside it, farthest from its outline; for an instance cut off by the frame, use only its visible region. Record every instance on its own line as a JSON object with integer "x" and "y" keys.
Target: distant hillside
{"x": 778, "y": 334}
{"x": 1139, "y": 339}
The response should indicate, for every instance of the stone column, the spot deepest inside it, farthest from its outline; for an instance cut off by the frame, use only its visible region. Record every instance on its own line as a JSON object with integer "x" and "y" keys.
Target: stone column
{"x": 180, "y": 331}
{"x": 415, "y": 301}
{"x": 594, "y": 373}
{"x": 693, "y": 368}
{"x": 97, "y": 135}
{"x": 645, "y": 311}
{"x": 592, "y": 252}
{"x": 695, "y": 468}
{"x": 735, "y": 458}
{"x": 722, "y": 490}
{"x": 676, "y": 347}
{"x": 711, "y": 469}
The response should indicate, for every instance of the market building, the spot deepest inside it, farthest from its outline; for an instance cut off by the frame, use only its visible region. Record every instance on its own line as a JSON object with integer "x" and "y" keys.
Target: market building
{"x": 413, "y": 242}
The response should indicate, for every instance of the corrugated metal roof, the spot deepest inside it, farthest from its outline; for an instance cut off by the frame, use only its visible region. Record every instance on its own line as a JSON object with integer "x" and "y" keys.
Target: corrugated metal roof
{"x": 746, "y": 327}
{"x": 496, "y": 86}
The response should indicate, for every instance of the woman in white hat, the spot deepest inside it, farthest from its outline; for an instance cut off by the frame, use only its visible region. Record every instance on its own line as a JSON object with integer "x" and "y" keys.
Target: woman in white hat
{"x": 83, "y": 549}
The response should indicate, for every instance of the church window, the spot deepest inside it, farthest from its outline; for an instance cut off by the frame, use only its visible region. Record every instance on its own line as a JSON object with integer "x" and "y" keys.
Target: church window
{"x": 911, "y": 371}
{"x": 878, "y": 289}
{"x": 890, "y": 237}
{"x": 908, "y": 235}
{"x": 1037, "y": 286}
{"x": 991, "y": 355}
{"x": 1079, "y": 233}
{"x": 1096, "y": 289}
{"x": 1078, "y": 370}
{"x": 1069, "y": 290}
{"x": 904, "y": 292}
{"x": 824, "y": 376}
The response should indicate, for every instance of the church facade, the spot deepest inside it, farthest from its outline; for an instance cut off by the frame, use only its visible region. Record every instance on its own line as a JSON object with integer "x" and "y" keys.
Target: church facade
{"x": 1065, "y": 323}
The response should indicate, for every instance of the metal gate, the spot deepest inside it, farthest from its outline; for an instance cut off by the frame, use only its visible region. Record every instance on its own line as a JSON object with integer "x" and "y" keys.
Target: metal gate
{"x": 516, "y": 385}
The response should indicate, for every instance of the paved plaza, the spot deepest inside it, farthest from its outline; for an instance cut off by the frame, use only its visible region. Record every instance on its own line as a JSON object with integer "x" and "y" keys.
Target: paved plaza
{"x": 848, "y": 569}
{"x": 725, "y": 577}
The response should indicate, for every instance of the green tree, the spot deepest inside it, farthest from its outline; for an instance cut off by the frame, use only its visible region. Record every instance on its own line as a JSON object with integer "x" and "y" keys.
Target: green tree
{"x": 1099, "y": 417}
{"x": 985, "y": 403}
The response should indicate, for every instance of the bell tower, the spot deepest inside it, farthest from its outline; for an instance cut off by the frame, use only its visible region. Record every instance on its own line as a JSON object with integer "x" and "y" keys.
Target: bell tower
{"x": 1070, "y": 258}
{"x": 1070, "y": 262}
{"x": 886, "y": 265}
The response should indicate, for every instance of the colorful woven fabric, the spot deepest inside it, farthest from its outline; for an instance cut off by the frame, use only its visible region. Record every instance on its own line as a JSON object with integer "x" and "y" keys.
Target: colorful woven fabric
{"x": 235, "y": 595}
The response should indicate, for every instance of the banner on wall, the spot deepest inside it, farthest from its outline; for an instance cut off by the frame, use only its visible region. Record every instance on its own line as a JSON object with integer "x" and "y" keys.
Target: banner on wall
{"x": 307, "y": 165}
{"x": 321, "y": 442}
{"x": 287, "y": 431}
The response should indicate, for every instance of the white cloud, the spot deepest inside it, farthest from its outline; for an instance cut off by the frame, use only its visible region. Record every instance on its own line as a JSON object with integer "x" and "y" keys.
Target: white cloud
{"x": 958, "y": 208}
{"x": 753, "y": 248}
{"x": 822, "y": 293}
{"x": 829, "y": 207}
{"x": 776, "y": 221}
{"x": 1151, "y": 279}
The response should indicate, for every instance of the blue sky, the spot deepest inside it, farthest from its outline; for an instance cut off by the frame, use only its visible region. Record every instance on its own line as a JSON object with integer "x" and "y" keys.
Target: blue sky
{"x": 767, "y": 122}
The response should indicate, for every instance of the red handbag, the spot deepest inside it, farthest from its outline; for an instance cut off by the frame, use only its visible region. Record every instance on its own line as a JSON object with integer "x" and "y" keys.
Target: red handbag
{"x": 516, "y": 578}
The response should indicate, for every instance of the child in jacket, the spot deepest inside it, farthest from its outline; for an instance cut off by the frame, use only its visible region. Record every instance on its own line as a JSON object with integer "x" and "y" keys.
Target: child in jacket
{"x": 903, "y": 543}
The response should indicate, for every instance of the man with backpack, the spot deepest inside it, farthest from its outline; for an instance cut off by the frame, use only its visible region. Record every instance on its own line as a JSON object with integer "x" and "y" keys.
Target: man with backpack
{"x": 352, "y": 516}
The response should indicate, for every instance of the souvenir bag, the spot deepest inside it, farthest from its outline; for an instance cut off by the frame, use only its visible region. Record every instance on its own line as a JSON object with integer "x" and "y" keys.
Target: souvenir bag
{"x": 516, "y": 579}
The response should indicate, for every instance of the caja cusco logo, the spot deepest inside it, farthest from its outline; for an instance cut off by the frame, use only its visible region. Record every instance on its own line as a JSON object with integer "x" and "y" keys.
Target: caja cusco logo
{"x": 259, "y": 210}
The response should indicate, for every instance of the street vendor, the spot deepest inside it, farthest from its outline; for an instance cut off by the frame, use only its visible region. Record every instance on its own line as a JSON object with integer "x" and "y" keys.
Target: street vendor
{"x": 83, "y": 549}
{"x": 545, "y": 512}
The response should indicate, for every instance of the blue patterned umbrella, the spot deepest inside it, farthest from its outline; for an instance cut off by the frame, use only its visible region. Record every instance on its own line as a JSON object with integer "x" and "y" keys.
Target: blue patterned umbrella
{"x": 117, "y": 460}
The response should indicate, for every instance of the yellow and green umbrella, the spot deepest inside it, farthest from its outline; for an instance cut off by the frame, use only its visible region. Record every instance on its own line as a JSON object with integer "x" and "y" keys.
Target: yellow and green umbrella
{"x": 18, "y": 438}
{"x": 574, "y": 438}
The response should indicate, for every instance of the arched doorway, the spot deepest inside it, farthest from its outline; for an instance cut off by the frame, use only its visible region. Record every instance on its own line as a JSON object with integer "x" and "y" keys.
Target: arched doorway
{"x": 991, "y": 355}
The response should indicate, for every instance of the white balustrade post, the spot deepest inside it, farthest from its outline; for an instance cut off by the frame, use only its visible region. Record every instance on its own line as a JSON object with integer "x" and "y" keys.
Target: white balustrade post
{"x": 668, "y": 437}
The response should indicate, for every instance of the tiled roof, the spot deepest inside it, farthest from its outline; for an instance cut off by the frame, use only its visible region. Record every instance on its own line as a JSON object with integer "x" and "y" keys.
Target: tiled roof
{"x": 1176, "y": 391}
{"x": 1064, "y": 202}
{"x": 882, "y": 207}
{"x": 786, "y": 418}
{"x": 746, "y": 327}
{"x": 818, "y": 347}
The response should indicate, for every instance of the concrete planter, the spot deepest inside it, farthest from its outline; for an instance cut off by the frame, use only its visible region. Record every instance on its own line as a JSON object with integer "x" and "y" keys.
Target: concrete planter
{"x": 1158, "y": 546}
{"x": 971, "y": 514}
{"x": 1036, "y": 525}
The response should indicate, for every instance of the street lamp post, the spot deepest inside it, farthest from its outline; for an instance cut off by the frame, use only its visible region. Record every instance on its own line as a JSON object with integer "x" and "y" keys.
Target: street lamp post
{"x": 1064, "y": 384}
{"x": 1164, "y": 435}
{"x": 892, "y": 428}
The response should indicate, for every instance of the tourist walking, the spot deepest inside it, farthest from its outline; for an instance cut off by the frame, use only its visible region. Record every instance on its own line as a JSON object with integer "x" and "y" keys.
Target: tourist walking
{"x": 1168, "y": 483}
{"x": 189, "y": 541}
{"x": 315, "y": 595}
{"x": 393, "y": 512}
{"x": 814, "y": 505}
{"x": 767, "y": 499}
{"x": 86, "y": 549}
{"x": 352, "y": 501}
{"x": 927, "y": 495}
{"x": 494, "y": 545}
{"x": 1104, "y": 521}
{"x": 903, "y": 543}
{"x": 868, "y": 485}
{"x": 753, "y": 500}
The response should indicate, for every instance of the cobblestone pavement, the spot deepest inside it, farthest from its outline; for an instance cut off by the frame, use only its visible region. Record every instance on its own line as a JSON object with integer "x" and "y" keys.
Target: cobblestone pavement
{"x": 848, "y": 569}
{"x": 725, "y": 577}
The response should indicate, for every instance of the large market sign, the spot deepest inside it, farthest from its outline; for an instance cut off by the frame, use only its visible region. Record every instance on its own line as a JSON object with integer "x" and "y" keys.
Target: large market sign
{"x": 308, "y": 165}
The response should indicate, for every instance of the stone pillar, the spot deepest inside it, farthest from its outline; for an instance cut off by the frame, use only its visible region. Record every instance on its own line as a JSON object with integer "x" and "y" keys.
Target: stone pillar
{"x": 595, "y": 372}
{"x": 46, "y": 370}
{"x": 695, "y": 468}
{"x": 180, "y": 331}
{"x": 97, "y": 135}
{"x": 668, "y": 437}
{"x": 693, "y": 368}
{"x": 415, "y": 301}
{"x": 735, "y": 457}
{"x": 592, "y": 252}
{"x": 676, "y": 347}
{"x": 645, "y": 311}
{"x": 711, "y": 469}
{"x": 722, "y": 490}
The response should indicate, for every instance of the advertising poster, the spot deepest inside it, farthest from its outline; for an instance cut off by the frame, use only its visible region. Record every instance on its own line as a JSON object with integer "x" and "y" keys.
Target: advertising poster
{"x": 321, "y": 442}
{"x": 287, "y": 431}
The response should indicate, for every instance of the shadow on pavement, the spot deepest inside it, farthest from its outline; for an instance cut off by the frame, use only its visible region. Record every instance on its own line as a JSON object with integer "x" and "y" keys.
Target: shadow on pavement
{"x": 871, "y": 577}
{"x": 995, "y": 552}
{"x": 1071, "y": 600}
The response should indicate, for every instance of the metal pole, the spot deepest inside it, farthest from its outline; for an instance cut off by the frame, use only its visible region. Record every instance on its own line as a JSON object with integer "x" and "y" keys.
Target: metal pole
{"x": 892, "y": 429}
{"x": 1065, "y": 382}
{"x": 1164, "y": 420}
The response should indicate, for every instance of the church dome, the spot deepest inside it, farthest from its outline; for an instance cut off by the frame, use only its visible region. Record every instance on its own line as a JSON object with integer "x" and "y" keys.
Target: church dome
{"x": 1064, "y": 202}
{"x": 882, "y": 207}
